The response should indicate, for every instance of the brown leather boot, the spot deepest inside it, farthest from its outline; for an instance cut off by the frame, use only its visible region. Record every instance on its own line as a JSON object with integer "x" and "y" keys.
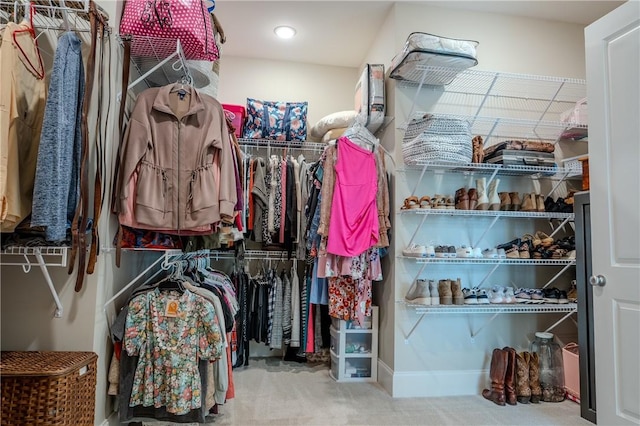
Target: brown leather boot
{"x": 523, "y": 391}
{"x": 462, "y": 199}
{"x": 528, "y": 203}
{"x": 505, "y": 201}
{"x": 497, "y": 372}
{"x": 444, "y": 290}
{"x": 534, "y": 378}
{"x": 515, "y": 201}
{"x": 510, "y": 376}
{"x": 456, "y": 291}
{"x": 473, "y": 198}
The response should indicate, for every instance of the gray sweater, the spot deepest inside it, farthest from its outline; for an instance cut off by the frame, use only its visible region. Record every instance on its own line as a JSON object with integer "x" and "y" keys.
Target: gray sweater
{"x": 56, "y": 188}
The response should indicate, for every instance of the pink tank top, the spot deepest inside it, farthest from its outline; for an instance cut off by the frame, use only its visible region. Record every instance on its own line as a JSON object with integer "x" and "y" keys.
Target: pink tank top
{"x": 353, "y": 226}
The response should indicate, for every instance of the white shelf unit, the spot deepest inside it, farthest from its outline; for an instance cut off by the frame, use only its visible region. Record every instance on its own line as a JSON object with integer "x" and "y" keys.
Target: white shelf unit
{"x": 354, "y": 351}
{"x": 502, "y": 105}
{"x": 499, "y": 106}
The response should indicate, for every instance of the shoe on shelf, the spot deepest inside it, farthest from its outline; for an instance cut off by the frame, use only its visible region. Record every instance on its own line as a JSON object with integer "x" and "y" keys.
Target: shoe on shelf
{"x": 430, "y": 251}
{"x": 515, "y": 201}
{"x": 537, "y": 295}
{"x": 505, "y": 201}
{"x": 562, "y": 297}
{"x": 470, "y": 297}
{"x": 441, "y": 251}
{"x": 462, "y": 199}
{"x": 418, "y": 293}
{"x": 496, "y": 295}
{"x": 476, "y": 252}
{"x": 551, "y": 295}
{"x": 501, "y": 253}
{"x": 433, "y": 291}
{"x": 522, "y": 295}
{"x": 525, "y": 247}
{"x": 483, "y": 297}
{"x": 464, "y": 251}
{"x": 473, "y": 198}
{"x": 415, "y": 250}
{"x": 540, "y": 203}
{"x": 528, "y": 203}
{"x": 511, "y": 249}
{"x": 425, "y": 203}
{"x": 444, "y": 290}
{"x": 572, "y": 294}
{"x": 494, "y": 199}
{"x": 483, "y": 199}
{"x": 451, "y": 251}
{"x": 456, "y": 292}
{"x": 490, "y": 253}
{"x": 509, "y": 296}
{"x": 410, "y": 203}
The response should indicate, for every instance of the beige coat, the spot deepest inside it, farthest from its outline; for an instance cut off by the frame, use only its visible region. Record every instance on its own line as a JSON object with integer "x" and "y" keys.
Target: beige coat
{"x": 175, "y": 144}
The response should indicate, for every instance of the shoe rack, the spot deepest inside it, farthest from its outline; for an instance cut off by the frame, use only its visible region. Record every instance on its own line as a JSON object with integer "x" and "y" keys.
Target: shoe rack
{"x": 499, "y": 106}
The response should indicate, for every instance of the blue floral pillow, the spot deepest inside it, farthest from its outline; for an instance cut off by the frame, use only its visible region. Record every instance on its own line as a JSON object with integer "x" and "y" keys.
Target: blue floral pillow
{"x": 282, "y": 121}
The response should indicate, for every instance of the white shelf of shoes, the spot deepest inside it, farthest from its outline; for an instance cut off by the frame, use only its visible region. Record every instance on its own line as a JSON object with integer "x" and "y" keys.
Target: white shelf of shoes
{"x": 511, "y": 308}
{"x": 486, "y": 261}
{"x": 488, "y": 213}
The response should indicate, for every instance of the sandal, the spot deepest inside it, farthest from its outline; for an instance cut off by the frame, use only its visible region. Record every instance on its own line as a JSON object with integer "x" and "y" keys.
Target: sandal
{"x": 450, "y": 204}
{"x": 439, "y": 202}
{"x": 542, "y": 239}
{"x": 425, "y": 202}
{"x": 410, "y": 203}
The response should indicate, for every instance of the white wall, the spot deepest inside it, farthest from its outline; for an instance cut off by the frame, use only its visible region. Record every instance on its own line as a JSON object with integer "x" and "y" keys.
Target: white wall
{"x": 327, "y": 89}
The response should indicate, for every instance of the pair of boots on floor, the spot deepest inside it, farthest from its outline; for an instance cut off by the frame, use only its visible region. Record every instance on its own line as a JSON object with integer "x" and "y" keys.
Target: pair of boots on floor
{"x": 515, "y": 377}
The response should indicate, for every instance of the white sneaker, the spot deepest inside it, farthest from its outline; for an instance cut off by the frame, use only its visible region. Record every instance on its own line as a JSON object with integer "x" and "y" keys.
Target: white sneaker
{"x": 509, "y": 296}
{"x": 476, "y": 252}
{"x": 431, "y": 251}
{"x": 490, "y": 253}
{"x": 470, "y": 296}
{"x": 418, "y": 293}
{"x": 483, "y": 297}
{"x": 497, "y": 294}
{"x": 464, "y": 251}
{"x": 415, "y": 250}
{"x": 502, "y": 254}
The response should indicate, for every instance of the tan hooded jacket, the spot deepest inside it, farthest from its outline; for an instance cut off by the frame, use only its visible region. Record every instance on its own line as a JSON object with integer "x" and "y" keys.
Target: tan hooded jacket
{"x": 175, "y": 139}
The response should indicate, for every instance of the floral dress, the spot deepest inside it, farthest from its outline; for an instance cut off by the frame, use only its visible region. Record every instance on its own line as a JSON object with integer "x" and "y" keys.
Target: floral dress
{"x": 170, "y": 332}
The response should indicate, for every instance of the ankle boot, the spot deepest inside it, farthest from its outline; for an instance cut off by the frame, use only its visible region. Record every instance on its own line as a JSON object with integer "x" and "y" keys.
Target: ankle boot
{"x": 523, "y": 391}
{"x": 456, "y": 291}
{"x": 510, "y": 376}
{"x": 534, "y": 378}
{"x": 515, "y": 201}
{"x": 433, "y": 290}
{"x": 494, "y": 200}
{"x": 483, "y": 201}
{"x": 528, "y": 203}
{"x": 505, "y": 201}
{"x": 462, "y": 199}
{"x": 444, "y": 290}
{"x": 497, "y": 373}
{"x": 540, "y": 202}
{"x": 473, "y": 198}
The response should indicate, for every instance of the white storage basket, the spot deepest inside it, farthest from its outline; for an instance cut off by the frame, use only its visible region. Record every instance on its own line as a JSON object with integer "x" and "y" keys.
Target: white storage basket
{"x": 437, "y": 138}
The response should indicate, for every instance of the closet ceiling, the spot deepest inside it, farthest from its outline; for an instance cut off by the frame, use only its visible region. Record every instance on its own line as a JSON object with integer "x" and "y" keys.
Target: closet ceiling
{"x": 339, "y": 33}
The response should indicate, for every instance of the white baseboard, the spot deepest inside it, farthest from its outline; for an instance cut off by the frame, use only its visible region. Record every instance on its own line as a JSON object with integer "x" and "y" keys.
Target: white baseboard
{"x": 407, "y": 384}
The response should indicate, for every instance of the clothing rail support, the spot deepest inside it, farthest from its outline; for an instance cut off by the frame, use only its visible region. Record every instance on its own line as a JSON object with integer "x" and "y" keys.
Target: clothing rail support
{"x": 134, "y": 280}
{"x": 484, "y": 99}
{"x": 415, "y": 97}
{"x": 558, "y": 182}
{"x": 406, "y": 338}
{"x": 47, "y": 278}
{"x": 424, "y": 217}
{"x": 475, "y": 333}
{"x": 493, "y": 222}
{"x": 555, "y": 231}
{"x": 555, "y": 96}
{"x": 497, "y": 265}
{"x": 415, "y": 188}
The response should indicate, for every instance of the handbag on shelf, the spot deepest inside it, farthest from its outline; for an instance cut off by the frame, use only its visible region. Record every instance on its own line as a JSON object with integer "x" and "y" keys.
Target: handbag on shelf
{"x": 155, "y": 25}
{"x": 437, "y": 138}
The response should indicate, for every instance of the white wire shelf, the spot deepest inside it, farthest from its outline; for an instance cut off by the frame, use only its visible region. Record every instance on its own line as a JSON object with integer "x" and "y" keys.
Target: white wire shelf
{"x": 503, "y": 261}
{"x": 488, "y": 213}
{"x": 24, "y": 256}
{"x": 51, "y": 14}
{"x": 217, "y": 254}
{"x": 488, "y": 168}
{"x": 269, "y": 143}
{"x": 516, "y": 308}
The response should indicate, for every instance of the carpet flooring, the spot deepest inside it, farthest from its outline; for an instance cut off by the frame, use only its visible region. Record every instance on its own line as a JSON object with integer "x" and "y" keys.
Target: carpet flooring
{"x": 274, "y": 392}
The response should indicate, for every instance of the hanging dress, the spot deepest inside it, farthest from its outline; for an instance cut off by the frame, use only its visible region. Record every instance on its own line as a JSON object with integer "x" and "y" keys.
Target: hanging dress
{"x": 353, "y": 226}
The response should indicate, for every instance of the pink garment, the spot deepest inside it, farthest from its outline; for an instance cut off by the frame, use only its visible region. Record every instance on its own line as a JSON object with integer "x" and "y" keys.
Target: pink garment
{"x": 309, "y": 344}
{"x": 353, "y": 226}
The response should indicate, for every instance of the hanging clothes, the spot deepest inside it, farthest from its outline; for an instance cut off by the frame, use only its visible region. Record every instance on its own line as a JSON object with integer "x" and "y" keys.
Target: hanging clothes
{"x": 57, "y": 183}
{"x": 22, "y": 106}
{"x": 354, "y": 220}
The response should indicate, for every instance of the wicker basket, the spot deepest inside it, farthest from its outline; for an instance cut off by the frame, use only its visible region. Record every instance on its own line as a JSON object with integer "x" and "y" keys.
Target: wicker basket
{"x": 48, "y": 388}
{"x": 433, "y": 138}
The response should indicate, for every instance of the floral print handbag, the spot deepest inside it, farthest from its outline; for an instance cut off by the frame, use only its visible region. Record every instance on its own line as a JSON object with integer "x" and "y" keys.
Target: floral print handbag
{"x": 282, "y": 121}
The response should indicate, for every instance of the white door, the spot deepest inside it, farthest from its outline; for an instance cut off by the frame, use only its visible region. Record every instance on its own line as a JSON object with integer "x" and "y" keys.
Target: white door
{"x": 613, "y": 92}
